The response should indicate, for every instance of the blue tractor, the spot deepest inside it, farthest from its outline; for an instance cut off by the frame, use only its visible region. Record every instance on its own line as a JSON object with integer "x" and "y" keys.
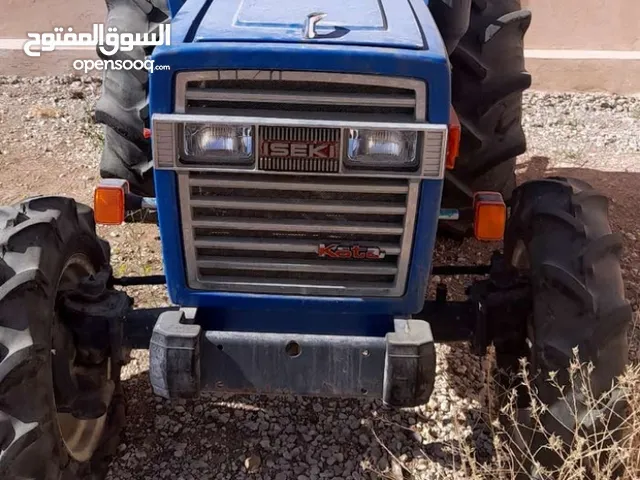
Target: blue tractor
{"x": 299, "y": 158}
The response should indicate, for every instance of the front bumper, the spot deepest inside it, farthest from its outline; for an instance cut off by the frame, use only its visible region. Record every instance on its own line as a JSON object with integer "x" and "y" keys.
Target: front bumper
{"x": 398, "y": 368}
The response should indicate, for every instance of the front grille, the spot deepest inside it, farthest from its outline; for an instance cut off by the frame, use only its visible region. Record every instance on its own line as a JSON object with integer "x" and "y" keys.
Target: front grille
{"x": 254, "y": 233}
{"x": 299, "y": 222}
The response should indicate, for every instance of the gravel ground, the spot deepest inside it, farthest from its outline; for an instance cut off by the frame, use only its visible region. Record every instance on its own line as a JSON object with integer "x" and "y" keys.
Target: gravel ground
{"x": 49, "y": 145}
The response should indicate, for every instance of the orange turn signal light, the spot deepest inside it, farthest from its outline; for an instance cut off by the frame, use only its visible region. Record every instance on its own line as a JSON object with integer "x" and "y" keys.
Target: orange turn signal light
{"x": 109, "y": 201}
{"x": 453, "y": 140}
{"x": 490, "y": 216}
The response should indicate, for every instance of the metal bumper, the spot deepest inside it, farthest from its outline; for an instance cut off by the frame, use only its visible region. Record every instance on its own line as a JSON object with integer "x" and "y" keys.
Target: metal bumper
{"x": 398, "y": 368}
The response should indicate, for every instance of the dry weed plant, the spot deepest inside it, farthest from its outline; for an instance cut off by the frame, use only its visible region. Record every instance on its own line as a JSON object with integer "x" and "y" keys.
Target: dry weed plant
{"x": 614, "y": 454}
{"x": 521, "y": 438}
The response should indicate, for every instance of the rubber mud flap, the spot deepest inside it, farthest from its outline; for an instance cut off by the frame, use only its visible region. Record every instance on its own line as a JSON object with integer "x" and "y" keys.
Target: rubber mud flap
{"x": 410, "y": 364}
{"x": 174, "y": 357}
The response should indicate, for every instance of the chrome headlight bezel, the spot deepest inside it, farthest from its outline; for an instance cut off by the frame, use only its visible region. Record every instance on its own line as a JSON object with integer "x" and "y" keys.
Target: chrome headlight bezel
{"x": 382, "y": 149}
{"x": 238, "y": 137}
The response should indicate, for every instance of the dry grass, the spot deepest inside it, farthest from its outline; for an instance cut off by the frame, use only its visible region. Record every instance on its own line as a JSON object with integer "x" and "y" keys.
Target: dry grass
{"x": 615, "y": 454}
{"x": 45, "y": 112}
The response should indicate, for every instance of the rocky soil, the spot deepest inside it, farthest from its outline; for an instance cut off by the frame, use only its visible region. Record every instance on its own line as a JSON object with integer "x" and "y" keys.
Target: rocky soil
{"x": 50, "y": 145}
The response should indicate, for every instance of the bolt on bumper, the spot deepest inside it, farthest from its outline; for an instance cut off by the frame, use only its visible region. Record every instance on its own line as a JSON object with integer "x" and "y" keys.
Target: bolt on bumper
{"x": 398, "y": 368}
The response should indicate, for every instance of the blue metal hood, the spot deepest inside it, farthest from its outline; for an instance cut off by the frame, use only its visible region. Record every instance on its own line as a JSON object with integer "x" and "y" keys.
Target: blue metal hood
{"x": 381, "y": 23}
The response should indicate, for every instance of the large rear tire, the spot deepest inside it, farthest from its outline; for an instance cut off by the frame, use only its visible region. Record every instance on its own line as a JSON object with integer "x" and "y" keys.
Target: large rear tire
{"x": 559, "y": 234}
{"x": 124, "y": 106}
{"x": 488, "y": 78}
{"x": 48, "y": 245}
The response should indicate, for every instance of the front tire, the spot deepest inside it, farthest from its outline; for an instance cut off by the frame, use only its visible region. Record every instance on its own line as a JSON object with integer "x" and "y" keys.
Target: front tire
{"x": 48, "y": 245}
{"x": 559, "y": 234}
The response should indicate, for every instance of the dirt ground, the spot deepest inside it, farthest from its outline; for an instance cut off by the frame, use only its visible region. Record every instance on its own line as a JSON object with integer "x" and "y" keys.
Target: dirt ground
{"x": 50, "y": 145}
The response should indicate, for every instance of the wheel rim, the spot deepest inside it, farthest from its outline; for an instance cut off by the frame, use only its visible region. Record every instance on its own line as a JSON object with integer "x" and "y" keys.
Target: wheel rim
{"x": 80, "y": 437}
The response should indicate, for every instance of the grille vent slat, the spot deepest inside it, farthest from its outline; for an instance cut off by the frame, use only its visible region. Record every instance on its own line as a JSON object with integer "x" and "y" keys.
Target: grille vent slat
{"x": 273, "y": 245}
{"x": 372, "y": 228}
{"x": 296, "y": 184}
{"x": 295, "y": 266}
{"x": 311, "y": 98}
{"x": 375, "y": 208}
{"x": 286, "y": 285}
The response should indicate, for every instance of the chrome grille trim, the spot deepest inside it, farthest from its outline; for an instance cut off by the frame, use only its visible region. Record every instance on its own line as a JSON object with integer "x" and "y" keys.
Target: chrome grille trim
{"x": 432, "y": 143}
{"x": 235, "y": 246}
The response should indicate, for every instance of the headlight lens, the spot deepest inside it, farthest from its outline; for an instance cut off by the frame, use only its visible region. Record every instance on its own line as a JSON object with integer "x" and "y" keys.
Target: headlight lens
{"x": 382, "y": 148}
{"x": 231, "y": 144}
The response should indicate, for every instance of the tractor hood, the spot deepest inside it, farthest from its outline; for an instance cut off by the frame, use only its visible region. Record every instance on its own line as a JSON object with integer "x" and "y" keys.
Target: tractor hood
{"x": 381, "y": 23}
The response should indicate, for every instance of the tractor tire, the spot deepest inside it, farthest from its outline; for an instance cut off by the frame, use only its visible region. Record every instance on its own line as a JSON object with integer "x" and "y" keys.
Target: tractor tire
{"x": 46, "y": 245}
{"x": 124, "y": 105}
{"x": 559, "y": 235}
{"x": 488, "y": 78}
